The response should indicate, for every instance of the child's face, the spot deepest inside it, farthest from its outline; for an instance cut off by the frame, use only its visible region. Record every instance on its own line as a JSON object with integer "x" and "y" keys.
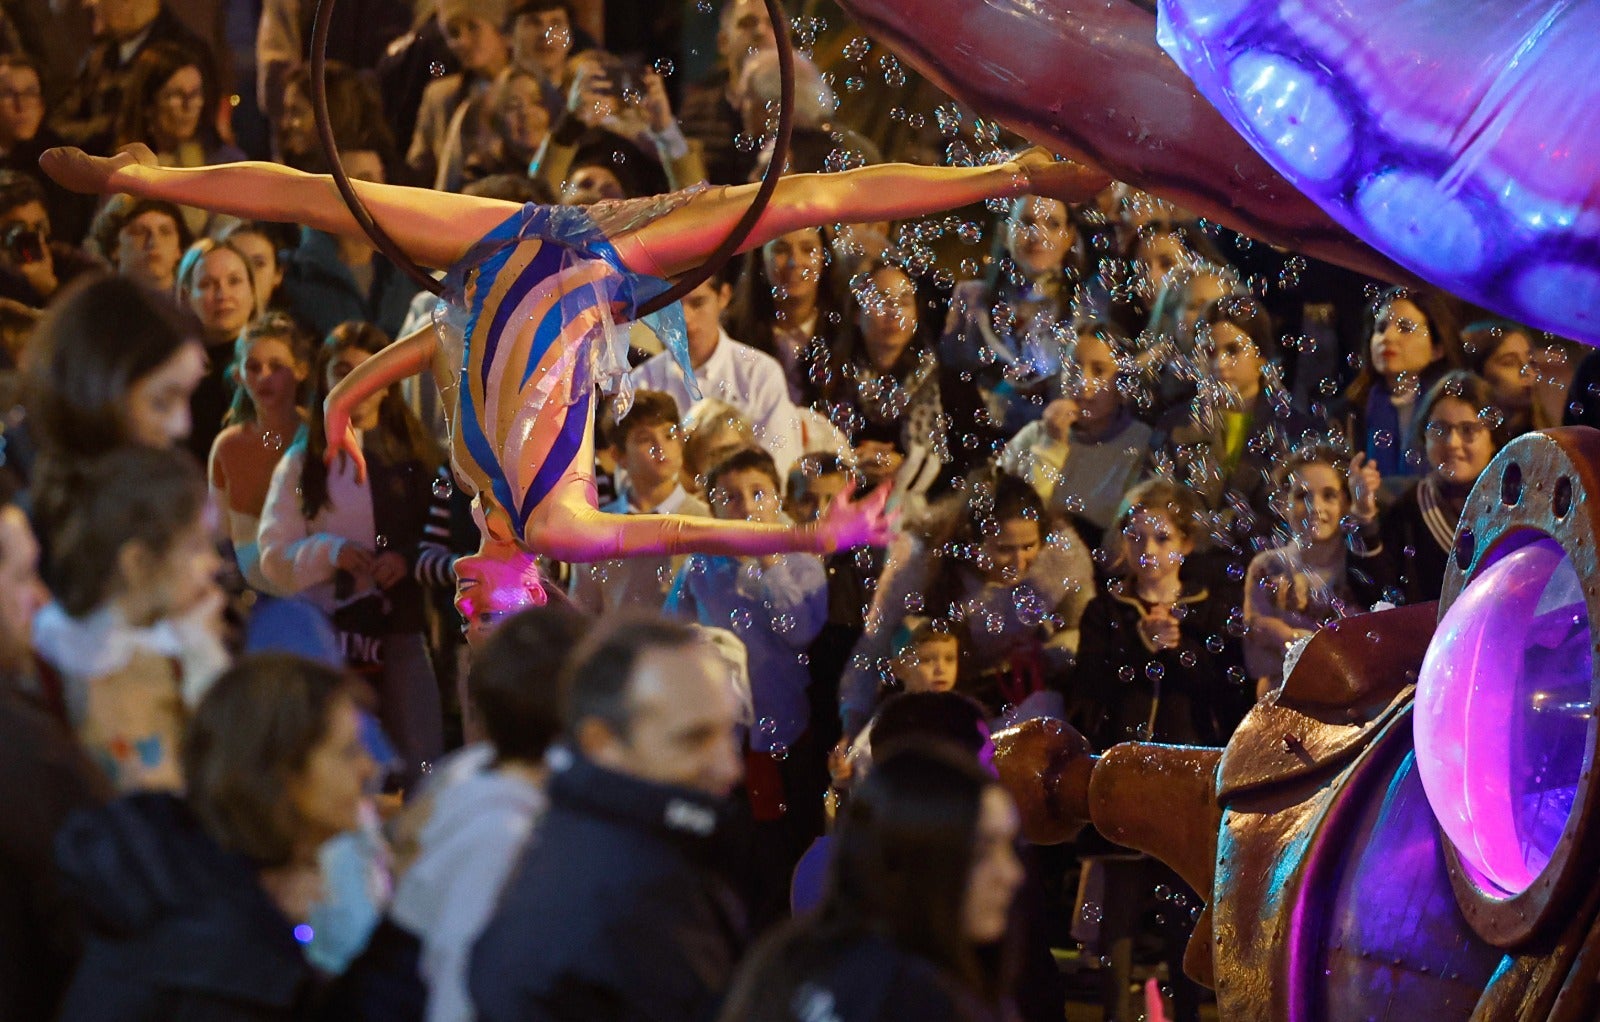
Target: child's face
{"x": 652, "y": 453}
{"x": 1235, "y": 359}
{"x": 812, "y": 496}
{"x": 1008, "y": 556}
{"x": 365, "y": 415}
{"x": 929, "y": 665}
{"x": 271, "y": 375}
{"x": 747, "y": 495}
{"x": 1095, "y": 382}
{"x": 186, "y": 575}
{"x": 1318, "y": 501}
{"x": 1156, "y": 546}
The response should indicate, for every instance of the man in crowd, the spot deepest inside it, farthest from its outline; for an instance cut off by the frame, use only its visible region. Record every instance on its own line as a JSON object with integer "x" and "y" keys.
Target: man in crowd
{"x": 39, "y": 757}
{"x": 750, "y": 380}
{"x": 33, "y": 266}
{"x": 618, "y": 909}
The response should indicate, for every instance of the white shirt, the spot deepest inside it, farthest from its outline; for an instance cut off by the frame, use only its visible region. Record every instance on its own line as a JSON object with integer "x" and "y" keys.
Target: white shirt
{"x": 749, "y": 380}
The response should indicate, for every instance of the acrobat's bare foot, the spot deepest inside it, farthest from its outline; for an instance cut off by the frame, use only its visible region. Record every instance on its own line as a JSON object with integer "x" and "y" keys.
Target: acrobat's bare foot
{"x": 74, "y": 169}
{"x": 1066, "y": 180}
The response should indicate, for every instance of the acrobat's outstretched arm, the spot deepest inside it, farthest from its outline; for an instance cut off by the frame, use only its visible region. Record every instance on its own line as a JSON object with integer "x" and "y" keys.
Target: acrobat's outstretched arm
{"x": 572, "y": 529}
{"x": 405, "y": 358}
{"x": 435, "y": 228}
{"x": 683, "y": 238}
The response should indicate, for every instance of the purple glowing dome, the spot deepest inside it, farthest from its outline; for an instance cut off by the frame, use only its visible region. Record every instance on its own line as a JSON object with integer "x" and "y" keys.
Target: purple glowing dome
{"x": 1502, "y": 715}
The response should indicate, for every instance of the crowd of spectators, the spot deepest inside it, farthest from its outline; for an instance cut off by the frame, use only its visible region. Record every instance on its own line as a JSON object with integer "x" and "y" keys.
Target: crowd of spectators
{"x": 1135, "y": 458}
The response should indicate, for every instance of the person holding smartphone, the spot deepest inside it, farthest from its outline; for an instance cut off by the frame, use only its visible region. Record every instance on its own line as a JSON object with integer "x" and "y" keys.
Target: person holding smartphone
{"x": 32, "y": 269}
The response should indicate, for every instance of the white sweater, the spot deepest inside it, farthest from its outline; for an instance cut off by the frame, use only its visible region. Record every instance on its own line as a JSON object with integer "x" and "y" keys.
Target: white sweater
{"x": 299, "y": 556}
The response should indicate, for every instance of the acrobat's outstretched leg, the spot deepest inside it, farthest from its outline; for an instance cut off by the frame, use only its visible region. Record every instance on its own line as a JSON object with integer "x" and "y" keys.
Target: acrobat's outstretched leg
{"x": 435, "y": 228}
{"x": 684, "y": 237}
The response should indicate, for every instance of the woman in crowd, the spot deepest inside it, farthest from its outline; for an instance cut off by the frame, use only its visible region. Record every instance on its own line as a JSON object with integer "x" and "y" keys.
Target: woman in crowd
{"x": 1412, "y": 341}
{"x": 355, "y": 109}
{"x": 1223, "y": 443}
{"x": 988, "y": 567}
{"x": 1015, "y": 357}
{"x": 217, "y": 282}
{"x": 197, "y": 906}
{"x": 1502, "y": 352}
{"x": 881, "y": 383}
{"x": 916, "y": 921}
{"x": 1171, "y": 357}
{"x": 786, "y": 304}
{"x": 112, "y": 362}
{"x": 1454, "y": 427}
{"x": 1088, "y": 448}
{"x": 165, "y": 106}
{"x": 348, "y": 540}
{"x": 271, "y": 361}
{"x": 260, "y": 244}
{"x": 1334, "y": 564}
{"x": 515, "y": 124}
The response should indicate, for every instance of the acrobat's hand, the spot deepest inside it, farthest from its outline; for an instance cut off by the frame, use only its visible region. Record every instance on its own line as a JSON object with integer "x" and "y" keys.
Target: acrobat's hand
{"x": 851, "y": 523}
{"x": 74, "y": 169}
{"x": 342, "y": 441}
{"x": 1066, "y": 180}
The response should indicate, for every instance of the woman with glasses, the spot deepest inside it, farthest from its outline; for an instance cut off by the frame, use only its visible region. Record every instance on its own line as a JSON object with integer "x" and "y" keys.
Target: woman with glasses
{"x": 165, "y": 107}
{"x": 24, "y": 135}
{"x": 1454, "y": 428}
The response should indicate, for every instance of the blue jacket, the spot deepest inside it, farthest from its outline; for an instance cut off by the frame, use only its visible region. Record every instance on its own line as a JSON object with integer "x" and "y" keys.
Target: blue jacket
{"x": 616, "y": 912}
{"x": 322, "y": 293}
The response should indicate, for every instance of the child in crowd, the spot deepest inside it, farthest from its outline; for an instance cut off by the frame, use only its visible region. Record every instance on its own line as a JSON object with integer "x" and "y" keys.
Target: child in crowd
{"x": 1502, "y": 352}
{"x": 1087, "y": 449}
{"x": 814, "y": 481}
{"x": 1332, "y": 566}
{"x": 648, "y": 444}
{"x": 349, "y": 541}
{"x": 926, "y": 659}
{"x": 776, "y": 604}
{"x": 1156, "y": 659}
{"x": 135, "y": 630}
{"x": 478, "y": 825}
{"x": 988, "y": 565}
{"x": 271, "y": 361}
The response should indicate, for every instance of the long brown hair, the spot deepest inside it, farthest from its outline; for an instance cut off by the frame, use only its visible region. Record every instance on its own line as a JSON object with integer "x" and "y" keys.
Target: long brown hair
{"x": 277, "y": 326}
{"x": 152, "y": 69}
{"x": 902, "y": 864}
{"x": 1442, "y": 327}
{"x": 399, "y": 437}
{"x": 252, "y": 734}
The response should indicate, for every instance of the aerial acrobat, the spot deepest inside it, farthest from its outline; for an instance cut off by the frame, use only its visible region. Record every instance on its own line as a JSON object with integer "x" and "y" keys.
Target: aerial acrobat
{"x": 536, "y": 291}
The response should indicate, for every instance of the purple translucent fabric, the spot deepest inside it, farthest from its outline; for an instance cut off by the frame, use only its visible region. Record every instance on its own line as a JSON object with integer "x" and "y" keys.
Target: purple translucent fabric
{"x": 1503, "y": 713}
{"x": 1460, "y": 139}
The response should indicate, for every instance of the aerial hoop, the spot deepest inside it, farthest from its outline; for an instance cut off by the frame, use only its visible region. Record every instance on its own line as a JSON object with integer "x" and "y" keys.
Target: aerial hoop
{"x": 687, "y": 283}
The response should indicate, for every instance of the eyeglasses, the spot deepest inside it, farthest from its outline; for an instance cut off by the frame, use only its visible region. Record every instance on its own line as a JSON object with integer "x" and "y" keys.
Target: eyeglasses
{"x": 1469, "y": 431}
{"x": 181, "y": 98}
{"x": 20, "y": 96}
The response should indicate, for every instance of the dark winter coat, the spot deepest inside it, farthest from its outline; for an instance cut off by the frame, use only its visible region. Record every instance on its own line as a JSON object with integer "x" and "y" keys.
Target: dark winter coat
{"x": 48, "y": 777}
{"x": 1123, "y": 690}
{"x": 178, "y": 928}
{"x": 617, "y": 911}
